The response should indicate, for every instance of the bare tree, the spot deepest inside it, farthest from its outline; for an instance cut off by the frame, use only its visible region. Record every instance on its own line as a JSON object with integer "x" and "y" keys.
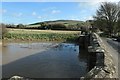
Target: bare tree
{"x": 107, "y": 17}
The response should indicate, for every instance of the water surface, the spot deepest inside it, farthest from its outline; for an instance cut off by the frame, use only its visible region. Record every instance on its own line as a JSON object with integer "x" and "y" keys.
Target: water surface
{"x": 43, "y": 60}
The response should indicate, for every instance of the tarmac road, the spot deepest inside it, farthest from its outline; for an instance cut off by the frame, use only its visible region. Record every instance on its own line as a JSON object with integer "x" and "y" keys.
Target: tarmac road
{"x": 114, "y": 49}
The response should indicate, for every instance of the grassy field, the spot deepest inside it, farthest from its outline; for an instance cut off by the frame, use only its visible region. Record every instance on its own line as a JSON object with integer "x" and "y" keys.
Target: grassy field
{"x": 25, "y": 31}
{"x": 41, "y": 35}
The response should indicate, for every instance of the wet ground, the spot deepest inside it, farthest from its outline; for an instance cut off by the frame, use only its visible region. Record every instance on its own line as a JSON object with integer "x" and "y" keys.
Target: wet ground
{"x": 43, "y": 60}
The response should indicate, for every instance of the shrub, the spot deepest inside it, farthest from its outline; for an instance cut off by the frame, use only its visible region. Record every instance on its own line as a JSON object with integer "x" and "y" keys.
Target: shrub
{"x": 58, "y": 26}
{"x": 20, "y": 26}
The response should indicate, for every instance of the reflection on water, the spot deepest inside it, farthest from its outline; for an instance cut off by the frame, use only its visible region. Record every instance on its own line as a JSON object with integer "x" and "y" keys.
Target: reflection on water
{"x": 43, "y": 60}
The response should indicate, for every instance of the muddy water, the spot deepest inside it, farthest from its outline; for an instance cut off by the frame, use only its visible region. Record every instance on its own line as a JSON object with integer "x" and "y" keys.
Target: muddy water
{"x": 43, "y": 60}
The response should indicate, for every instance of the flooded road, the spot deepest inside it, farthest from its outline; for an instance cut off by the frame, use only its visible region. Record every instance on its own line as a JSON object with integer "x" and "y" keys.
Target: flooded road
{"x": 43, "y": 60}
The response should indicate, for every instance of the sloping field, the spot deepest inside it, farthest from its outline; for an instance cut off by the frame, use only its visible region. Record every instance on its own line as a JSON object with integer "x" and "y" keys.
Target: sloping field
{"x": 41, "y": 35}
{"x": 22, "y": 31}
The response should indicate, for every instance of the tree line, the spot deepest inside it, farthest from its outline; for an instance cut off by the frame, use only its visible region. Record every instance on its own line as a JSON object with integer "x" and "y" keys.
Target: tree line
{"x": 107, "y": 18}
{"x": 49, "y": 26}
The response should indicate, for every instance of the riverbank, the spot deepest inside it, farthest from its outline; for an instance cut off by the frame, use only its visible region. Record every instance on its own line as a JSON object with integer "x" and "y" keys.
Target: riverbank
{"x": 41, "y": 35}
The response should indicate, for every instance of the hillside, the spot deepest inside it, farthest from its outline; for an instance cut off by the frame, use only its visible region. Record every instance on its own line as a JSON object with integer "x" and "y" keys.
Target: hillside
{"x": 70, "y": 22}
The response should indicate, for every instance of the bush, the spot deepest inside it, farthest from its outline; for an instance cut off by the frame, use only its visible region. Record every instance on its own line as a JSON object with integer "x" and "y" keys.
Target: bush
{"x": 21, "y": 26}
{"x": 10, "y": 26}
{"x": 57, "y": 26}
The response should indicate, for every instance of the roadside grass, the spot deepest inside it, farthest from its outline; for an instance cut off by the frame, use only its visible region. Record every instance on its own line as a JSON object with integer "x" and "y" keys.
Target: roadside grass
{"x": 41, "y": 35}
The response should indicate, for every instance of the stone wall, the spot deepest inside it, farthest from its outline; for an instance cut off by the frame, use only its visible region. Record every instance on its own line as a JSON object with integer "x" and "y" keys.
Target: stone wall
{"x": 104, "y": 67}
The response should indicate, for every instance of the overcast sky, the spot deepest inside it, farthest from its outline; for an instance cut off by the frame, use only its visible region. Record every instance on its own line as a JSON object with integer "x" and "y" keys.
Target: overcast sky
{"x": 18, "y": 11}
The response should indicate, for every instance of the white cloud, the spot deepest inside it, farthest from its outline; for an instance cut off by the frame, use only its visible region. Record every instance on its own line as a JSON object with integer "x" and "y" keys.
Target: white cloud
{"x": 34, "y": 13}
{"x": 90, "y": 18}
{"x": 52, "y": 10}
{"x": 83, "y": 11}
{"x": 84, "y": 18}
{"x": 55, "y": 11}
{"x": 87, "y": 18}
{"x": 93, "y": 3}
{"x": 45, "y": 16}
{"x": 39, "y": 17}
{"x": 20, "y": 14}
{"x": 88, "y": 4}
{"x": 3, "y": 11}
{"x": 87, "y": 7}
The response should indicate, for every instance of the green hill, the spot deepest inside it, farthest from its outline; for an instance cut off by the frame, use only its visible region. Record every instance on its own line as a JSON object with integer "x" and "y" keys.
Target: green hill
{"x": 70, "y": 22}
{"x": 56, "y": 25}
